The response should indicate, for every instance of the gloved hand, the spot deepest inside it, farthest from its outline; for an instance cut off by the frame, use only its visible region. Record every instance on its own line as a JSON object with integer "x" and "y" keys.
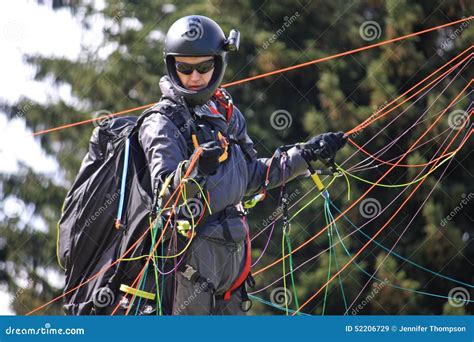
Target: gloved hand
{"x": 323, "y": 145}
{"x": 208, "y": 161}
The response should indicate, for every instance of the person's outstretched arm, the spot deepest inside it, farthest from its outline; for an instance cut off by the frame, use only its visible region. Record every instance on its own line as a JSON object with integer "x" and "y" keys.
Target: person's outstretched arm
{"x": 257, "y": 167}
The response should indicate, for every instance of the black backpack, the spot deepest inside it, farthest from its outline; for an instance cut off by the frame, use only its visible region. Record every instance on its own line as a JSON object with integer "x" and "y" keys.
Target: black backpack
{"x": 108, "y": 208}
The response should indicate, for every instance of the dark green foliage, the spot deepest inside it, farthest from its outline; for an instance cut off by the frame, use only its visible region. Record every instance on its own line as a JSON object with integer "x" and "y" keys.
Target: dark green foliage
{"x": 334, "y": 95}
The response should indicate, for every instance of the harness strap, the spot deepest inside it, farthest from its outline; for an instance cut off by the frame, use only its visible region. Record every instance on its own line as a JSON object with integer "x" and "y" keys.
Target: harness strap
{"x": 225, "y": 100}
{"x": 243, "y": 276}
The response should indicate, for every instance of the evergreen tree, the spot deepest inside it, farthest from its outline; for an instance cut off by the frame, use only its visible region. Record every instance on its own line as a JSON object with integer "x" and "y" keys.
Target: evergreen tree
{"x": 334, "y": 95}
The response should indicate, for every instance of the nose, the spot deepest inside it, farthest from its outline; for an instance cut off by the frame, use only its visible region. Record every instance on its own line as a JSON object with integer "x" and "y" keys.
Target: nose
{"x": 195, "y": 76}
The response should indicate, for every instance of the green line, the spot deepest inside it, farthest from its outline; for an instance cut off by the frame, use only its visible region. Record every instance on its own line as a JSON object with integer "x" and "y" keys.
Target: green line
{"x": 309, "y": 203}
{"x": 284, "y": 272}
{"x": 288, "y": 243}
{"x": 158, "y": 297}
{"x": 396, "y": 185}
{"x": 330, "y": 248}
{"x": 335, "y": 257}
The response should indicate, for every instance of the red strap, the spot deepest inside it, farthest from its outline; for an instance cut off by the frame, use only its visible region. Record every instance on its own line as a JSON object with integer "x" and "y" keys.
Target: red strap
{"x": 214, "y": 110}
{"x": 224, "y": 102}
{"x": 239, "y": 281}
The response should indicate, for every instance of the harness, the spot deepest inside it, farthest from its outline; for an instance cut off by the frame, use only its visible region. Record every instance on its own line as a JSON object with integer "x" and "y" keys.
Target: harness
{"x": 199, "y": 133}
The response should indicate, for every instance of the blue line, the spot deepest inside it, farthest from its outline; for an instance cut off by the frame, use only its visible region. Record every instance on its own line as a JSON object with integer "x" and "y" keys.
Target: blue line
{"x": 275, "y": 305}
{"x": 332, "y": 222}
{"x": 382, "y": 281}
{"x": 398, "y": 255}
{"x": 124, "y": 179}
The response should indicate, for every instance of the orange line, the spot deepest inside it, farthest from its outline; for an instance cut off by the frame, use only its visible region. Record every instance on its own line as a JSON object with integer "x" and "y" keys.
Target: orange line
{"x": 228, "y": 85}
{"x": 383, "y": 227}
{"x": 192, "y": 164}
{"x": 105, "y": 268}
{"x": 370, "y": 120}
{"x": 401, "y": 165}
{"x": 266, "y": 74}
{"x": 344, "y": 53}
{"x": 92, "y": 120}
{"x": 370, "y": 189}
{"x": 385, "y": 110}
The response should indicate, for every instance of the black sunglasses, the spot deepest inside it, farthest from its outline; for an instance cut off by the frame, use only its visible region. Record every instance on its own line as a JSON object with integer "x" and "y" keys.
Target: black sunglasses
{"x": 202, "y": 68}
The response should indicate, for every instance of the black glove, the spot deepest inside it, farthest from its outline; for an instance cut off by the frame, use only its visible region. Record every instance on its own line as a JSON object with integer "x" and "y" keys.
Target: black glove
{"x": 323, "y": 146}
{"x": 209, "y": 158}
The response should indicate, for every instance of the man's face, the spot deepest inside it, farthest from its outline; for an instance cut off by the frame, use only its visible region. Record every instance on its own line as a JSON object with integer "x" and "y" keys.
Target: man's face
{"x": 195, "y": 81}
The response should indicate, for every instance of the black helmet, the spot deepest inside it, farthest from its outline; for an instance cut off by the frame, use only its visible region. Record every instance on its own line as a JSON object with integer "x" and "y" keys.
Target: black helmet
{"x": 196, "y": 35}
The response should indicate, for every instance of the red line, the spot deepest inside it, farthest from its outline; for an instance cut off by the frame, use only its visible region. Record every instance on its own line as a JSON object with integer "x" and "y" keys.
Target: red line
{"x": 267, "y": 74}
{"x": 382, "y": 228}
{"x": 370, "y": 189}
{"x": 344, "y": 53}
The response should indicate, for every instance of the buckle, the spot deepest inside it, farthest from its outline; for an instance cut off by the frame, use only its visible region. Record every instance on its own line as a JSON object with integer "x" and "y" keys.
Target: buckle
{"x": 246, "y": 305}
{"x": 189, "y": 272}
{"x": 184, "y": 228}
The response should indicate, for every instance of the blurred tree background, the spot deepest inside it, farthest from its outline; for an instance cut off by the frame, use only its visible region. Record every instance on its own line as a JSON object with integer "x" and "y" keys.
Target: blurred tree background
{"x": 334, "y": 95}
